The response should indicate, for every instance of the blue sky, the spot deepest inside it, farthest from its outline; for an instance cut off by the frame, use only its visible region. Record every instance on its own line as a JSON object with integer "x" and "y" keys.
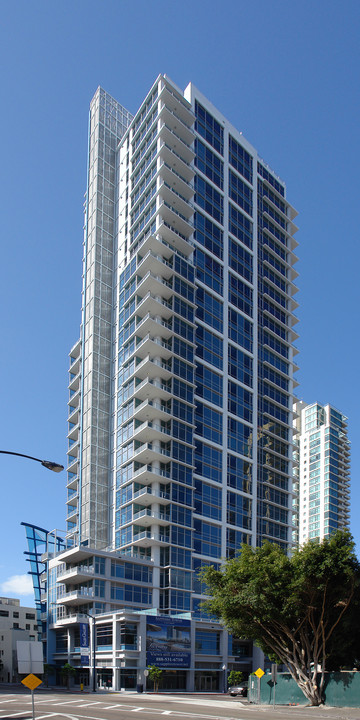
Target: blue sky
{"x": 285, "y": 73}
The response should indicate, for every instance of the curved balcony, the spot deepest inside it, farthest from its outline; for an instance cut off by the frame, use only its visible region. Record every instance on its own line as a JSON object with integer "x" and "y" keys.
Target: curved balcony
{"x": 155, "y": 284}
{"x": 172, "y": 197}
{"x": 155, "y": 243}
{"x": 178, "y": 105}
{"x": 149, "y": 517}
{"x": 149, "y": 390}
{"x": 154, "y": 346}
{"x": 152, "y": 410}
{"x": 155, "y": 306}
{"x": 181, "y": 224}
{"x": 147, "y": 453}
{"x": 157, "y": 264}
{"x": 174, "y": 141}
{"x": 146, "y": 538}
{"x": 151, "y": 368}
{"x": 147, "y": 474}
{"x": 172, "y": 235}
{"x": 174, "y": 121}
{"x": 173, "y": 178}
{"x": 147, "y": 432}
{"x": 147, "y": 497}
{"x": 152, "y": 325}
{"x": 171, "y": 156}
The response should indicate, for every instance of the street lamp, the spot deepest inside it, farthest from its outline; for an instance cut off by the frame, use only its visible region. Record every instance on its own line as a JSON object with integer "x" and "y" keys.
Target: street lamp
{"x": 224, "y": 680}
{"x": 55, "y": 467}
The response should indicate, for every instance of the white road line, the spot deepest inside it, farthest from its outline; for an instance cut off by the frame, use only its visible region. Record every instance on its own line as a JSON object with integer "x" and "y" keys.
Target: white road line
{"x": 4, "y": 701}
{"x": 116, "y": 707}
{"x": 70, "y": 702}
{"x": 13, "y": 715}
{"x": 166, "y": 712}
{"x": 137, "y": 709}
{"x": 97, "y": 702}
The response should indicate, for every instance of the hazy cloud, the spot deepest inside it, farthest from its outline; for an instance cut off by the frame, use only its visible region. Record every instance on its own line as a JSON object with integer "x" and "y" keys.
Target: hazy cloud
{"x": 17, "y": 585}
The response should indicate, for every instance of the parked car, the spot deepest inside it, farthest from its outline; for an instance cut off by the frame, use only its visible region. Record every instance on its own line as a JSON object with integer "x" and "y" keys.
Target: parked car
{"x": 241, "y": 689}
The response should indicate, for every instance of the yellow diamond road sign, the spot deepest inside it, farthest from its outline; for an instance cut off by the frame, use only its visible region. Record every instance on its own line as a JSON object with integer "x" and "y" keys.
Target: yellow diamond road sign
{"x": 259, "y": 673}
{"x": 31, "y": 681}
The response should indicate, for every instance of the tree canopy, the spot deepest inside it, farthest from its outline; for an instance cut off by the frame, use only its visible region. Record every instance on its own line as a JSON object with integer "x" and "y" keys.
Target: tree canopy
{"x": 295, "y": 608}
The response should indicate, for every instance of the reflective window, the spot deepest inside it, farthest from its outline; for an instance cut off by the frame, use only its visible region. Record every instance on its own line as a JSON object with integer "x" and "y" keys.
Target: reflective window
{"x": 209, "y": 164}
{"x": 208, "y": 234}
{"x": 240, "y": 193}
{"x": 240, "y": 159}
{"x": 208, "y": 198}
{"x": 209, "y": 128}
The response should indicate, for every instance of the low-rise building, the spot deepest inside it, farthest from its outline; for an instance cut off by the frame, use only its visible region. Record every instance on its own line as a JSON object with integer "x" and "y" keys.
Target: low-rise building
{"x": 16, "y": 623}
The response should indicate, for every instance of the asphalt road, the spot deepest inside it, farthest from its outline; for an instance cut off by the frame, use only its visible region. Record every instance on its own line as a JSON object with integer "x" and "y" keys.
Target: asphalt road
{"x": 17, "y": 705}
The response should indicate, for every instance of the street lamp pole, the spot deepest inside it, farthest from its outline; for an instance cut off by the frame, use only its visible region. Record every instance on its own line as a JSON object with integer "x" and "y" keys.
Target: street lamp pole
{"x": 224, "y": 677}
{"x": 55, "y": 467}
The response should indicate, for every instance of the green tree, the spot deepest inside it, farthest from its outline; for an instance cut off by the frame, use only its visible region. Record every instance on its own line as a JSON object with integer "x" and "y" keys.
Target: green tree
{"x": 155, "y": 674}
{"x": 67, "y": 671}
{"x": 235, "y": 677}
{"x": 295, "y": 608}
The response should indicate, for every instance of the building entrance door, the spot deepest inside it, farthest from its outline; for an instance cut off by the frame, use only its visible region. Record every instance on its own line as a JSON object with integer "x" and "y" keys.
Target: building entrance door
{"x": 206, "y": 682}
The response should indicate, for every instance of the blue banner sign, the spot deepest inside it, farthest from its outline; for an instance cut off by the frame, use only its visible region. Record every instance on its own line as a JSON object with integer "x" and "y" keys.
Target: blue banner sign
{"x": 167, "y": 641}
{"x": 84, "y": 644}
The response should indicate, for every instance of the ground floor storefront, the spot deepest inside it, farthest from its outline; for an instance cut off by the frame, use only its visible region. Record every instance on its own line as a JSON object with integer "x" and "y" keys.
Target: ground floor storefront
{"x": 192, "y": 655}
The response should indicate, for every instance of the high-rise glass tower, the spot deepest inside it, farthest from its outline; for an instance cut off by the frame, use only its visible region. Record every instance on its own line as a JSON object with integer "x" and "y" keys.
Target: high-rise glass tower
{"x": 321, "y": 471}
{"x": 181, "y": 384}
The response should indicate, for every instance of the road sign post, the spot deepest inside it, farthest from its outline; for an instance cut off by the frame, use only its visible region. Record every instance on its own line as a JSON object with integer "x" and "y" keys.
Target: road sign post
{"x": 32, "y": 682}
{"x": 274, "y": 679}
{"x": 259, "y": 673}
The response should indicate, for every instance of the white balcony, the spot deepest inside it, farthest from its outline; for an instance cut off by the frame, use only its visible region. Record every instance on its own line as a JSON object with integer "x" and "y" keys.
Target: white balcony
{"x": 147, "y": 475}
{"x": 178, "y": 105}
{"x": 146, "y": 496}
{"x": 150, "y": 390}
{"x": 147, "y": 517}
{"x": 174, "y": 121}
{"x": 76, "y": 574}
{"x": 173, "y": 158}
{"x": 146, "y": 539}
{"x": 152, "y": 346}
{"x": 151, "y": 368}
{"x": 73, "y": 482}
{"x": 147, "y": 432}
{"x": 147, "y": 454}
{"x": 174, "y": 141}
{"x": 151, "y": 410}
{"x": 172, "y": 196}
{"x": 153, "y": 305}
{"x": 156, "y": 285}
{"x": 158, "y": 264}
{"x": 173, "y": 178}
{"x": 76, "y": 597}
{"x": 171, "y": 234}
{"x": 153, "y": 325}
